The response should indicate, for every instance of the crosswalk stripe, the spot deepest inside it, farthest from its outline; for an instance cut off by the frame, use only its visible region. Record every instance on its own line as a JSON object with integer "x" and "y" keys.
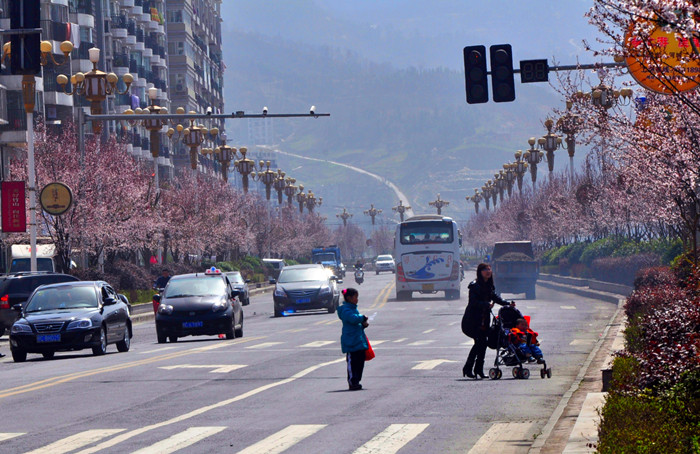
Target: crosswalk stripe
{"x": 8, "y": 435}
{"x": 283, "y": 439}
{"x": 453, "y": 323}
{"x": 505, "y": 437}
{"x": 377, "y": 342}
{"x": 393, "y": 438}
{"x": 180, "y": 441}
{"x": 318, "y": 344}
{"x": 76, "y": 441}
{"x": 421, "y": 342}
{"x": 568, "y": 307}
{"x": 428, "y": 330}
{"x": 265, "y": 345}
{"x": 400, "y": 340}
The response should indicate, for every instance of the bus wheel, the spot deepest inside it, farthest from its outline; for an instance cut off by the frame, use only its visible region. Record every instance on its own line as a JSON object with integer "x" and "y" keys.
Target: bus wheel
{"x": 403, "y": 296}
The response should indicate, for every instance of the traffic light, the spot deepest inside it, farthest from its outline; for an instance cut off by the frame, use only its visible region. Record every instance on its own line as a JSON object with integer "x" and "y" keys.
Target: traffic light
{"x": 26, "y": 53}
{"x": 502, "y": 73}
{"x": 477, "y": 84}
{"x": 534, "y": 71}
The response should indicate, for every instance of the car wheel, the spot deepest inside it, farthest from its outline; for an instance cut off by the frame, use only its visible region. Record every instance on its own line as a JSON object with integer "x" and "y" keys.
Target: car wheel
{"x": 173, "y": 339}
{"x": 124, "y": 344}
{"x": 48, "y": 355}
{"x": 162, "y": 338}
{"x": 102, "y": 348}
{"x": 278, "y": 313}
{"x": 247, "y": 301}
{"x": 19, "y": 356}
{"x": 239, "y": 330}
{"x": 331, "y": 308}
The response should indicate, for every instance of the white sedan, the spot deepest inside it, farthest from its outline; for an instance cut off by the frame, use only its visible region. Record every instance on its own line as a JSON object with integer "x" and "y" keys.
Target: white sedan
{"x": 384, "y": 263}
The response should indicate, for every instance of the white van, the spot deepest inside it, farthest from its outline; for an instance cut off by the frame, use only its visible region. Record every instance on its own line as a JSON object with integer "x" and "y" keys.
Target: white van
{"x": 20, "y": 257}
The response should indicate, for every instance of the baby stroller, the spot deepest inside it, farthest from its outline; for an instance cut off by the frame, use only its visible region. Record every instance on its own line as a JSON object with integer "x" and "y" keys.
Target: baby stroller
{"x": 507, "y": 354}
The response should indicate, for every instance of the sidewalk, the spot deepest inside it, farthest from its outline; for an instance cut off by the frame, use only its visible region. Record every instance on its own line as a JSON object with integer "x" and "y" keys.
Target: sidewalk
{"x": 573, "y": 427}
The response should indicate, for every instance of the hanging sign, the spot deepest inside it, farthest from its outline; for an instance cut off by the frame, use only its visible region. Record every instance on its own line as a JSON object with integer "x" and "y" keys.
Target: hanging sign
{"x": 14, "y": 211}
{"x": 56, "y": 198}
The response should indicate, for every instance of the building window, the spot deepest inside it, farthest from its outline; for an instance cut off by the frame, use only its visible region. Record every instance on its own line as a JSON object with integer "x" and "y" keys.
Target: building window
{"x": 175, "y": 16}
{"x": 176, "y": 48}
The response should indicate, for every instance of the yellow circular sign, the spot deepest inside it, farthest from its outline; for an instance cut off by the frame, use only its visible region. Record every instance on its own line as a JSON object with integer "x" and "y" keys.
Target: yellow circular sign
{"x": 56, "y": 198}
{"x": 664, "y": 62}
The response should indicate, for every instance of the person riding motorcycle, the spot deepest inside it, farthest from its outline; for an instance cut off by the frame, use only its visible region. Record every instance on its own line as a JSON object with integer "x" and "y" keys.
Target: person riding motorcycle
{"x": 359, "y": 274}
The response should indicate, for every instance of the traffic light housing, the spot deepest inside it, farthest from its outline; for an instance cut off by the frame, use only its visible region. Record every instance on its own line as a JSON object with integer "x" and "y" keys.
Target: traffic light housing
{"x": 26, "y": 53}
{"x": 475, "y": 74}
{"x": 502, "y": 73}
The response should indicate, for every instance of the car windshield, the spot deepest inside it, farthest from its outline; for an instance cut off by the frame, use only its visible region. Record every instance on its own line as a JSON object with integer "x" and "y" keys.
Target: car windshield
{"x": 195, "y": 286}
{"x": 325, "y": 257}
{"x": 384, "y": 258}
{"x": 235, "y": 278}
{"x": 303, "y": 275}
{"x": 426, "y": 232}
{"x": 42, "y": 264}
{"x": 68, "y": 297}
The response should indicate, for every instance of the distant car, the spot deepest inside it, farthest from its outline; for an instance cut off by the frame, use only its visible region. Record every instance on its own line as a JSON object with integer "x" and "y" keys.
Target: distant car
{"x": 17, "y": 288}
{"x": 71, "y": 316}
{"x": 384, "y": 263}
{"x": 240, "y": 285}
{"x": 304, "y": 287}
{"x": 199, "y": 304}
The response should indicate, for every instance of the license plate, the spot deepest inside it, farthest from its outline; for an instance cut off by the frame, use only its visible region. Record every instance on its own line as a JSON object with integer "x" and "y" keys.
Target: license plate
{"x": 192, "y": 324}
{"x": 43, "y": 338}
{"x": 428, "y": 287}
{"x": 304, "y": 300}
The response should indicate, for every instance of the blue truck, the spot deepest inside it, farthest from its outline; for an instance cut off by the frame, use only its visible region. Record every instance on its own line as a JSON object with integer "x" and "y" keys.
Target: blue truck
{"x": 329, "y": 257}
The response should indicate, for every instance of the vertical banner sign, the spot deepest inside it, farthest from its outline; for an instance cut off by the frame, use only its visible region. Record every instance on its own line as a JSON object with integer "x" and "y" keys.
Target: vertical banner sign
{"x": 14, "y": 212}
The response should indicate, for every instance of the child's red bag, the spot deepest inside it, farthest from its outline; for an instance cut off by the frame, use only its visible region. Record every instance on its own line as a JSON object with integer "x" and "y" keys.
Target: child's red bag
{"x": 369, "y": 353}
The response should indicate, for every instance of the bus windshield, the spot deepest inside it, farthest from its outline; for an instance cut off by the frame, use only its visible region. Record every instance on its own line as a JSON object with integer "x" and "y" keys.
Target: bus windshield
{"x": 426, "y": 232}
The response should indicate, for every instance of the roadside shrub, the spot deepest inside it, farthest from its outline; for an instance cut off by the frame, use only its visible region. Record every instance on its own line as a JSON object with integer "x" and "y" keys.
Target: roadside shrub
{"x": 653, "y": 277}
{"x": 646, "y": 299}
{"x": 622, "y": 270}
{"x": 598, "y": 249}
{"x": 624, "y": 373}
{"x": 574, "y": 251}
{"x": 564, "y": 266}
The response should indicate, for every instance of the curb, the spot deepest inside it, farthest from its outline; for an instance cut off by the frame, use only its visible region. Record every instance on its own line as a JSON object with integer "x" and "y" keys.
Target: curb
{"x": 584, "y": 418}
{"x": 144, "y": 312}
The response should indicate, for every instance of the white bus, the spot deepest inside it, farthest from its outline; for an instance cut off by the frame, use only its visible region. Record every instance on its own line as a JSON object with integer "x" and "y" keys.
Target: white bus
{"x": 426, "y": 251}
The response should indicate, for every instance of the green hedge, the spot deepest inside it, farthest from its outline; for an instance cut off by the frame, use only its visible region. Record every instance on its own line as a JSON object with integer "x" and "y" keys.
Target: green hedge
{"x": 587, "y": 252}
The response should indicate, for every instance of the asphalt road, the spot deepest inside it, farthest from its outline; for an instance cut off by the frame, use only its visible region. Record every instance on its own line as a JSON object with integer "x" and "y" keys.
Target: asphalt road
{"x": 282, "y": 387}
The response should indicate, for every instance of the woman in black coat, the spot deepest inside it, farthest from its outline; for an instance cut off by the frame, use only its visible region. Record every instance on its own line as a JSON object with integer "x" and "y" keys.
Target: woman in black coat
{"x": 477, "y": 318}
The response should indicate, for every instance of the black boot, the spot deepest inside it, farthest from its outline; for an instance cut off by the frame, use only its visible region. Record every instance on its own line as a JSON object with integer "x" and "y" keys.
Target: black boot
{"x": 469, "y": 365}
{"x": 479, "y": 369}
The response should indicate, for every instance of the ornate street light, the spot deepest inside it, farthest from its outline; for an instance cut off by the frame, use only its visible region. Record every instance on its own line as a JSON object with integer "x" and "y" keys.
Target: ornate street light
{"x": 533, "y": 157}
{"x": 486, "y": 194}
{"x": 520, "y": 167}
{"x": 224, "y": 154}
{"x": 509, "y": 177}
{"x": 570, "y": 124}
{"x": 312, "y": 202}
{"x": 401, "y": 209}
{"x": 439, "y": 204}
{"x": 493, "y": 191}
{"x": 500, "y": 184}
{"x": 245, "y": 167}
{"x": 476, "y": 198}
{"x": 279, "y": 185}
{"x": 372, "y": 212}
{"x": 290, "y": 190}
{"x": 344, "y": 216}
{"x": 550, "y": 143}
{"x": 267, "y": 177}
{"x": 95, "y": 85}
{"x": 605, "y": 97}
{"x": 301, "y": 198}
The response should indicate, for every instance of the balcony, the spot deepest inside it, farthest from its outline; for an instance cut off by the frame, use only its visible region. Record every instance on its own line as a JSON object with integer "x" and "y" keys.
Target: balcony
{"x": 131, "y": 27}
{"x": 121, "y": 60}
{"x": 82, "y": 6}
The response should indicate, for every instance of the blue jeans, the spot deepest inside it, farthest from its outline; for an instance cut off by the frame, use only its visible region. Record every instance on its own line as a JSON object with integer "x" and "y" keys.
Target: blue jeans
{"x": 533, "y": 350}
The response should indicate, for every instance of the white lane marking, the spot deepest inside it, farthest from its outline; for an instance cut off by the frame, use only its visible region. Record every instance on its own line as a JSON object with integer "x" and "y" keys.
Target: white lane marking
{"x": 453, "y": 323}
{"x": 76, "y": 441}
{"x": 469, "y": 342}
{"x": 582, "y": 342}
{"x": 431, "y": 364}
{"x": 400, "y": 340}
{"x": 393, "y": 438}
{"x": 9, "y": 435}
{"x": 217, "y": 368}
{"x": 568, "y": 307}
{"x": 180, "y": 441}
{"x": 330, "y": 322}
{"x": 318, "y": 344}
{"x": 377, "y": 342}
{"x": 283, "y": 439}
{"x": 297, "y": 330}
{"x": 427, "y": 308}
{"x": 199, "y": 411}
{"x": 421, "y": 342}
{"x": 156, "y": 350}
{"x": 505, "y": 437}
{"x": 428, "y": 330}
{"x": 265, "y": 345}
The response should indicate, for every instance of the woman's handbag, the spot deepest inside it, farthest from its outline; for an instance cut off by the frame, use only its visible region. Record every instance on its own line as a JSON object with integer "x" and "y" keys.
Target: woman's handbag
{"x": 369, "y": 353}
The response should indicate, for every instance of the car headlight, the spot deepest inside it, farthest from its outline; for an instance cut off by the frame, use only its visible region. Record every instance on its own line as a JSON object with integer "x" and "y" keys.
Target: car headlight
{"x": 21, "y": 328}
{"x": 165, "y": 309}
{"x": 279, "y": 291}
{"x": 83, "y": 323}
{"x": 325, "y": 290}
{"x": 220, "y": 306}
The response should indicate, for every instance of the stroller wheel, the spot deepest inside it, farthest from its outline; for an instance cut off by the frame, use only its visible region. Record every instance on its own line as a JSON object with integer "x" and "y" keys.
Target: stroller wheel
{"x": 493, "y": 373}
{"x": 549, "y": 373}
{"x": 524, "y": 373}
{"x": 500, "y": 374}
{"x": 543, "y": 373}
{"x": 516, "y": 372}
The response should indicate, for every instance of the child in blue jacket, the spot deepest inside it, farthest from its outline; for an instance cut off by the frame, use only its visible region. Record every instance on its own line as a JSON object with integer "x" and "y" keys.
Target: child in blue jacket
{"x": 353, "y": 341}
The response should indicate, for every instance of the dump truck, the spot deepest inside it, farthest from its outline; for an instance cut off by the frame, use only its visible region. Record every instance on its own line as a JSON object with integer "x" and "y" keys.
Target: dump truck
{"x": 515, "y": 269}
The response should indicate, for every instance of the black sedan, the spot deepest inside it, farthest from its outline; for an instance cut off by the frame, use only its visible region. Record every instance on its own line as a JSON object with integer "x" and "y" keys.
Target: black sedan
{"x": 303, "y": 287}
{"x": 71, "y": 316}
{"x": 199, "y": 304}
{"x": 240, "y": 285}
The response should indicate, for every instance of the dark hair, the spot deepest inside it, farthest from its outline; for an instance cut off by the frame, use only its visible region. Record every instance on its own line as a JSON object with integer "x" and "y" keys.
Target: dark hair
{"x": 479, "y": 278}
{"x": 349, "y": 292}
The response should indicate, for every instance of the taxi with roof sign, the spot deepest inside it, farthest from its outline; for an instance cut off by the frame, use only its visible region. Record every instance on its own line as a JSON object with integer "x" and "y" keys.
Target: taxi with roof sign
{"x": 199, "y": 304}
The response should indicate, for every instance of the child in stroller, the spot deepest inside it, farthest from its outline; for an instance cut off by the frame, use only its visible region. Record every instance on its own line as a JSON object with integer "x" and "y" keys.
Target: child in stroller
{"x": 504, "y": 337}
{"x": 526, "y": 341}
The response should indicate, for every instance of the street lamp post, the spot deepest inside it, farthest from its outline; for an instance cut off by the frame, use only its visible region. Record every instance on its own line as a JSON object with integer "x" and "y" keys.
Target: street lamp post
{"x": 290, "y": 190}
{"x": 520, "y": 167}
{"x": 312, "y": 202}
{"x": 372, "y": 212}
{"x": 439, "y": 204}
{"x": 267, "y": 177}
{"x": 476, "y": 198}
{"x": 493, "y": 190}
{"x": 533, "y": 157}
{"x": 344, "y": 216}
{"x": 301, "y": 198}
{"x": 570, "y": 124}
{"x": 224, "y": 154}
{"x": 550, "y": 143}
{"x": 509, "y": 176}
{"x": 279, "y": 185}
{"x": 486, "y": 194}
{"x": 401, "y": 209}
{"x": 245, "y": 167}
